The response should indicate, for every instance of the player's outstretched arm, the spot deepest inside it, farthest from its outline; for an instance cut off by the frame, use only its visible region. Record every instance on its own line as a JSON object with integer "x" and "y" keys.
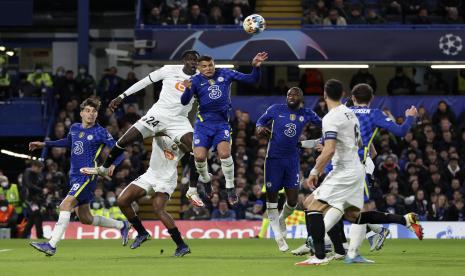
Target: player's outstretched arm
{"x": 62, "y": 143}
{"x": 136, "y": 87}
{"x": 254, "y": 76}
{"x": 188, "y": 93}
{"x": 36, "y": 145}
{"x": 259, "y": 59}
{"x": 385, "y": 122}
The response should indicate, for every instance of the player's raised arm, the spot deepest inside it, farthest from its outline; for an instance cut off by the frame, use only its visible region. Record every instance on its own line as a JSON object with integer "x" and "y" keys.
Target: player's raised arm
{"x": 385, "y": 122}
{"x": 188, "y": 93}
{"x": 313, "y": 117}
{"x": 62, "y": 143}
{"x": 254, "y": 76}
{"x": 155, "y": 76}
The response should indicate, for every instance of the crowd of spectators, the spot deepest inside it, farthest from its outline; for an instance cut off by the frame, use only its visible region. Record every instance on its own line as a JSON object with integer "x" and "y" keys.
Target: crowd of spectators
{"x": 422, "y": 172}
{"x": 315, "y": 12}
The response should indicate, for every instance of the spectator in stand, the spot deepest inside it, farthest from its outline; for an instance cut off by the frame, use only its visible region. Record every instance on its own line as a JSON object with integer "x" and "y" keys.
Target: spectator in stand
{"x": 391, "y": 206}
{"x": 400, "y": 84}
{"x": 453, "y": 16}
{"x": 458, "y": 86}
{"x": 436, "y": 83}
{"x": 256, "y": 211}
{"x": 321, "y": 108}
{"x": 392, "y": 7}
{"x": 177, "y": 4}
{"x": 410, "y": 7}
{"x": 422, "y": 17}
{"x": 438, "y": 210}
{"x": 8, "y": 216}
{"x": 155, "y": 17}
{"x": 334, "y": 19}
{"x": 363, "y": 76}
{"x": 176, "y": 18}
{"x": 313, "y": 18}
{"x": 374, "y": 18}
{"x": 456, "y": 212}
{"x": 4, "y": 83}
{"x": 355, "y": 17}
{"x": 281, "y": 87}
{"x": 40, "y": 79}
{"x": 196, "y": 17}
{"x": 341, "y": 8}
{"x": 66, "y": 90}
{"x": 444, "y": 111}
{"x": 196, "y": 213}
{"x": 312, "y": 82}
{"x": 419, "y": 206}
{"x": 242, "y": 206}
{"x": 109, "y": 86}
{"x": 85, "y": 83}
{"x": 132, "y": 99}
{"x": 223, "y": 213}
{"x": 59, "y": 77}
{"x": 237, "y": 18}
{"x": 216, "y": 18}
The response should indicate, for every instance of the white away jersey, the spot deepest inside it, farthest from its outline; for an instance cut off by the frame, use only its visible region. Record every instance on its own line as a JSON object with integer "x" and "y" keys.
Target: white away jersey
{"x": 164, "y": 159}
{"x": 341, "y": 124}
{"x": 170, "y": 95}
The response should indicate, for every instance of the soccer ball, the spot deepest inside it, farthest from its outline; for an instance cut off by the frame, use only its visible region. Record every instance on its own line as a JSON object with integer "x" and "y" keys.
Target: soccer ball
{"x": 450, "y": 44}
{"x": 254, "y": 24}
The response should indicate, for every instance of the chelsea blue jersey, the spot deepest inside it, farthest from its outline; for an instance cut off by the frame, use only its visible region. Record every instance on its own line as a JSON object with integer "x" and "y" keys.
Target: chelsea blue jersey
{"x": 370, "y": 119}
{"x": 86, "y": 145}
{"x": 286, "y": 127}
{"x": 213, "y": 94}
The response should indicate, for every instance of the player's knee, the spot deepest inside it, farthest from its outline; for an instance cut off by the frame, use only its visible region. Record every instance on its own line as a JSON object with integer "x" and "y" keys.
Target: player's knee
{"x": 351, "y": 215}
{"x": 224, "y": 155}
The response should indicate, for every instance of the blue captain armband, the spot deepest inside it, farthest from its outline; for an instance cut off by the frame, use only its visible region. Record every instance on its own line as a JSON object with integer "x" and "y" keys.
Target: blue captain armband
{"x": 330, "y": 135}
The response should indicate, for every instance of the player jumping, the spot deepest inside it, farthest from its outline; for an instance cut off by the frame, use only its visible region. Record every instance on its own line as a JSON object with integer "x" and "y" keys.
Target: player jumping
{"x": 86, "y": 140}
{"x": 160, "y": 181}
{"x": 166, "y": 116}
{"x": 283, "y": 125}
{"x": 212, "y": 129}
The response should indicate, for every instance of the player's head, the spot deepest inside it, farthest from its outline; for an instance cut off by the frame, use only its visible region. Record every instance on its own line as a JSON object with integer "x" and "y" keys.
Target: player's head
{"x": 333, "y": 90}
{"x": 89, "y": 110}
{"x": 206, "y": 66}
{"x": 295, "y": 97}
{"x": 189, "y": 59}
{"x": 362, "y": 94}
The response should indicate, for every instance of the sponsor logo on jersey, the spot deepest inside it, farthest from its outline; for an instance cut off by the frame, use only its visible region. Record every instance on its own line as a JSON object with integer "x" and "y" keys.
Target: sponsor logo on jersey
{"x": 292, "y": 117}
{"x": 220, "y": 79}
{"x": 168, "y": 155}
{"x": 90, "y": 137}
{"x": 301, "y": 118}
{"x": 179, "y": 86}
{"x": 362, "y": 110}
{"x": 81, "y": 134}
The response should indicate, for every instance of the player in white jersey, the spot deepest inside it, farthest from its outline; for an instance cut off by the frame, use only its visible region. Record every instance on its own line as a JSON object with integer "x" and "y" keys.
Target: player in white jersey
{"x": 341, "y": 192}
{"x": 159, "y": 181}
{"x": 166, "y": 116}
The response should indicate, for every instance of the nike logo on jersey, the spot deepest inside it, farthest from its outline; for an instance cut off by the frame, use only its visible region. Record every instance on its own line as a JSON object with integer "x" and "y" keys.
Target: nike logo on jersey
{"x": 203, "y": 83}
{"x": 282, "y": 116}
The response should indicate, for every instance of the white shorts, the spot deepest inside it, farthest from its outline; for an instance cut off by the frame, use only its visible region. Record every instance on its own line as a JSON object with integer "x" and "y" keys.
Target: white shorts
{"x": 342, "y": 188}
{"x": 159, "y": 120}
{"x": 152, "y": 183}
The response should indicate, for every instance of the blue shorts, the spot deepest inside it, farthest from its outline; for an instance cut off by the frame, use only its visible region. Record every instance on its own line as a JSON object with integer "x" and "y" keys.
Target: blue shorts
{"x": 82, "y": 188}
{"x": 282, "y": 173}
{"x": 366, "y": 189}
{"x": 209, "y": 135}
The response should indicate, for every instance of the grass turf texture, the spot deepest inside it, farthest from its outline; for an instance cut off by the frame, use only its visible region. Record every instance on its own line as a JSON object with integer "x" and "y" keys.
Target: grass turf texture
{"x": 224, "y": 257}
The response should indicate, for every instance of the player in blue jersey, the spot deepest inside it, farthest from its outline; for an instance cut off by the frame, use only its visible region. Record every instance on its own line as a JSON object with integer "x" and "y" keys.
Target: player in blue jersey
{"x": 85, "y": 140}
{"x": 371, "y": 119}
{"x": 212, "y": 89}
{"x": 283, "y": 125}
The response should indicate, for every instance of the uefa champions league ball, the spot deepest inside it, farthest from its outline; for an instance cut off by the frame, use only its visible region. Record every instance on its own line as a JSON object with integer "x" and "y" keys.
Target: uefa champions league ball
{"x": 254, "y": 24}
{"x": 450, "y": 44}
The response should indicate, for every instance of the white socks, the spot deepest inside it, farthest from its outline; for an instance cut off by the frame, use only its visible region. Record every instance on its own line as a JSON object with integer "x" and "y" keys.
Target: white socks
{"x": 375, "y": 228}
{"x": 202, "y": 169}
{"x": 273, "y": 216}
{"x": 107, "y": 222}
{"x": 356, "y": 235}
{"x": 60, "y": 228}
{"x": 331, "y": 218}
{"x": 227, "y": 166}
{"x": 287, "y": 211}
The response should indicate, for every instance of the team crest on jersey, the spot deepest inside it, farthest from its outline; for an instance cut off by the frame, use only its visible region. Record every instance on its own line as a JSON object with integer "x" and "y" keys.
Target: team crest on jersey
{"x": 174, "y": 147}
{"x": 292, "y": 117}
{"x": 90, "y": 137}
{"x": 220, "y": 79}
{"x": 301, "y": 118}
{"x": 81, "y": 134}
{"x": 211, "y": 82}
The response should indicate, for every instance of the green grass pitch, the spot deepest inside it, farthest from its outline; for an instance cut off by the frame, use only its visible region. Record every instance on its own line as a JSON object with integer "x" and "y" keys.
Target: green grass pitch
{"x": 224, "y": 257}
